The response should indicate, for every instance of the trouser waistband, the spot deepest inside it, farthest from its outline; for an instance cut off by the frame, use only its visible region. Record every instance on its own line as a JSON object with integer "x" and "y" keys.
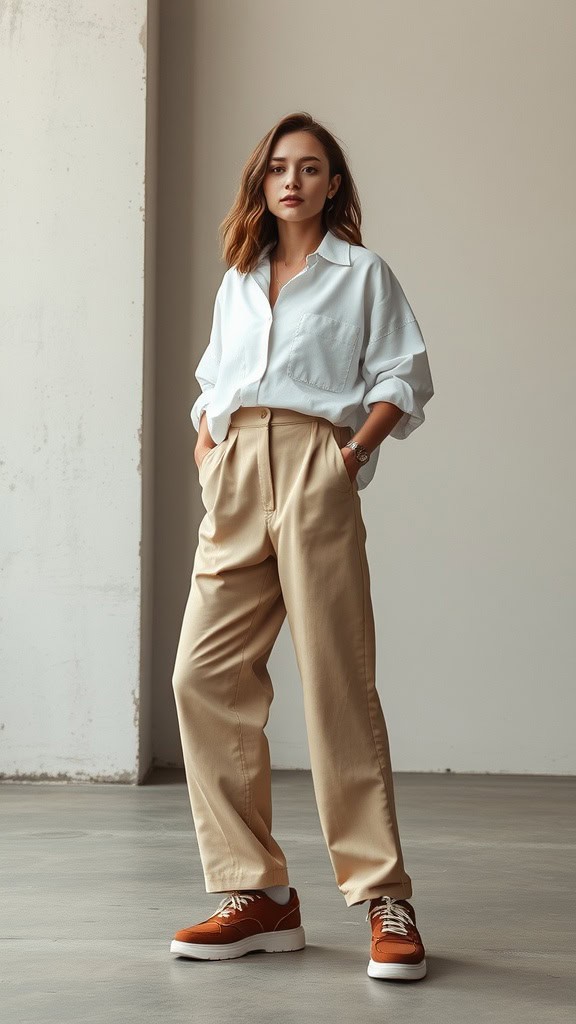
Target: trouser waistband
{"x": 261, "y": 415}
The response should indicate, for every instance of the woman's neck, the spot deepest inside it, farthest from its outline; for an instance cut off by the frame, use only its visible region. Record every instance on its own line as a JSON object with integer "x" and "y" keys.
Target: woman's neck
{"x": 296, "y": 242}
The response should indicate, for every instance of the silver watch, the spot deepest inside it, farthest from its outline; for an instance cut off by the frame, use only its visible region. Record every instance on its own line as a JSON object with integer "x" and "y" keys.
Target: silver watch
{"x": 362, "y": 454}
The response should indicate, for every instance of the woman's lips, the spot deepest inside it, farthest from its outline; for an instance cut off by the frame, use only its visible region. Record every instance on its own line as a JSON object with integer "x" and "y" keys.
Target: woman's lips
{"x": 290, "y": 202}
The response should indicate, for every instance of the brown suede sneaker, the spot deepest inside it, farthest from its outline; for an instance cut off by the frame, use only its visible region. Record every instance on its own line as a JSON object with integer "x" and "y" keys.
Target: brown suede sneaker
{"x": 245, "y": 920}
{"x": 396, "y": 952}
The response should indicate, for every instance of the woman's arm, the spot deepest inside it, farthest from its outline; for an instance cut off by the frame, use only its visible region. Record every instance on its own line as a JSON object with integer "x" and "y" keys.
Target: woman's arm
{"x": 382, "y": 419}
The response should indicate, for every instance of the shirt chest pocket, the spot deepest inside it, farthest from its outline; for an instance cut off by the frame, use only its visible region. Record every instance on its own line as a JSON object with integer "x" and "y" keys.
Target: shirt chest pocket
{"x": 322, "y": 350}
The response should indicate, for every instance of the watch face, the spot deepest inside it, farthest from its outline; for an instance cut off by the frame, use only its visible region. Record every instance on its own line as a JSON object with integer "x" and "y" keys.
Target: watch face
{"x": 357, "y": 449}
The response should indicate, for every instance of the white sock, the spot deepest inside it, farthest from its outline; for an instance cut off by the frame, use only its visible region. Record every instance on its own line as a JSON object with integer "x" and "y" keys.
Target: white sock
{"x": 279, "y": 893}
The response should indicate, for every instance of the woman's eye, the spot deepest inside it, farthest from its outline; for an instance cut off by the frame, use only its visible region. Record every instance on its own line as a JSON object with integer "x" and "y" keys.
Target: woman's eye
{"x": 280, "y": 168}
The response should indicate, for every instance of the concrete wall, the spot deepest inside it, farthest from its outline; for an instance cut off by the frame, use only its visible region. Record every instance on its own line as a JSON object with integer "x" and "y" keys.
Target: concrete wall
{"x": 76, "y": 335}
{"x": 458, "y": 121}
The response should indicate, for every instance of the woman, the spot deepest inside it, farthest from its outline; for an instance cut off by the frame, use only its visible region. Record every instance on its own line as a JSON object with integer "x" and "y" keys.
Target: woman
{"x": 314, "y": 357}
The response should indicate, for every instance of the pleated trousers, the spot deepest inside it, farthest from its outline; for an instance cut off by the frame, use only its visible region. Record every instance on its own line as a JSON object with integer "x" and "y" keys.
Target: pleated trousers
{"x": 283, "y": 535}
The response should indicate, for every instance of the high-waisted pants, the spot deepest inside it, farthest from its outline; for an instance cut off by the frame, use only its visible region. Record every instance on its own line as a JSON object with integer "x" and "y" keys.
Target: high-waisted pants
{"x": 283, "y": 535}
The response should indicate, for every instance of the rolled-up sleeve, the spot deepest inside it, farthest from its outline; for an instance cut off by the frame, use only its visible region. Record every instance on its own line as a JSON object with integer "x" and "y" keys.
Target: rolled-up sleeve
{"x": 395, "y": 364}
{"x": 206, "y": 372}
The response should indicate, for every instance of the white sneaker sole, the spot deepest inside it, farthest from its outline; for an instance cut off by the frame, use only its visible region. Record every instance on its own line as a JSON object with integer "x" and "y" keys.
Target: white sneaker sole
{"x": 397, "y": 972}
{"x": 282, "y": 941}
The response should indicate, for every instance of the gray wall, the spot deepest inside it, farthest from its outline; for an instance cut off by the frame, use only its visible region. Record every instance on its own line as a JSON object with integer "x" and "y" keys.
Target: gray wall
{"x": 458, "y": 121}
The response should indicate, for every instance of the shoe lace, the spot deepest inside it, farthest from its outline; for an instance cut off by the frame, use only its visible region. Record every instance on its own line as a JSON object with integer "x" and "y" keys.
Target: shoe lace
{"x": 393, "y": 915}
{"x": 234, "y": 901}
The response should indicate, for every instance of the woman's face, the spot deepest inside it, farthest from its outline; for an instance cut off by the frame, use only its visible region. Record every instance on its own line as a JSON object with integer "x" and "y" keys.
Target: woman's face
{"x": 298, "y": 166}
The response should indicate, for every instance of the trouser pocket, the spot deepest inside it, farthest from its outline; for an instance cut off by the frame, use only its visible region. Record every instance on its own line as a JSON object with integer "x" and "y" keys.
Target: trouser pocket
{"x": 337, "y": 438}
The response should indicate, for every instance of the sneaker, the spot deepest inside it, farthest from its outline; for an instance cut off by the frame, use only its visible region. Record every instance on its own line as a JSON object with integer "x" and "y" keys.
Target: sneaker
{"x": 244, "y": 921}
{"x": 396, "y": 951}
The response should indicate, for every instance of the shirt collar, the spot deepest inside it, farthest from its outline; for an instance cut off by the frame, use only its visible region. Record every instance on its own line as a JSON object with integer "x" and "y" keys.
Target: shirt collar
{"x": 331, "y": 248}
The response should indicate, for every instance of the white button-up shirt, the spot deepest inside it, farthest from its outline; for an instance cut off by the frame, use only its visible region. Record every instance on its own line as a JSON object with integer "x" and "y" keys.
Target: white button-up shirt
{"x": 341, "y": 336}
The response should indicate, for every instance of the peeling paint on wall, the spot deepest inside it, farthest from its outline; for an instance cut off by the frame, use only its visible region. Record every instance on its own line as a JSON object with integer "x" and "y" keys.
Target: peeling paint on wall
{"x": 120, "y": 778}
{"x": 136, "y": 703}
{"x": 14, "y": 8}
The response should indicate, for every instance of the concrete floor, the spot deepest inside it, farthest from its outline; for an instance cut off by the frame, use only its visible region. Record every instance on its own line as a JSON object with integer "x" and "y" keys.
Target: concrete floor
{"x": 98, "y": 878}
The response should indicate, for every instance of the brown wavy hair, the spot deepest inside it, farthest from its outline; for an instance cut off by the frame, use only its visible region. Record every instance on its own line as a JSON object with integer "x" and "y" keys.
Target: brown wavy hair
{"x": 249, "y": 225}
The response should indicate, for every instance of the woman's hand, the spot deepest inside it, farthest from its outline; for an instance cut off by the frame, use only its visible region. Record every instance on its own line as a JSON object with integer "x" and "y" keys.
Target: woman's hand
{"x": 351, "y": 462}
{"x": 200, "y": 451}
{"x": 204, "y": 442}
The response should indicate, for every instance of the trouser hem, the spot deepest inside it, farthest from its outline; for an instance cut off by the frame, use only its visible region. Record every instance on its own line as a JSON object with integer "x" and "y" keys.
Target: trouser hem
{"x": 225, "y": 883}
{"x": 399, "y": 890}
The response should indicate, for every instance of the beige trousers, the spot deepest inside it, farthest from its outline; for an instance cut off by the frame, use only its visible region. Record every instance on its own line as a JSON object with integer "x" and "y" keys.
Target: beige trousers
{"x": 283, "y": 535}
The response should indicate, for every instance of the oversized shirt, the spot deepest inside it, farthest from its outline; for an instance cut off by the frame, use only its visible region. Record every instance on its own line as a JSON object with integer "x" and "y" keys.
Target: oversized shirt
{"x": 340, "y": 337}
